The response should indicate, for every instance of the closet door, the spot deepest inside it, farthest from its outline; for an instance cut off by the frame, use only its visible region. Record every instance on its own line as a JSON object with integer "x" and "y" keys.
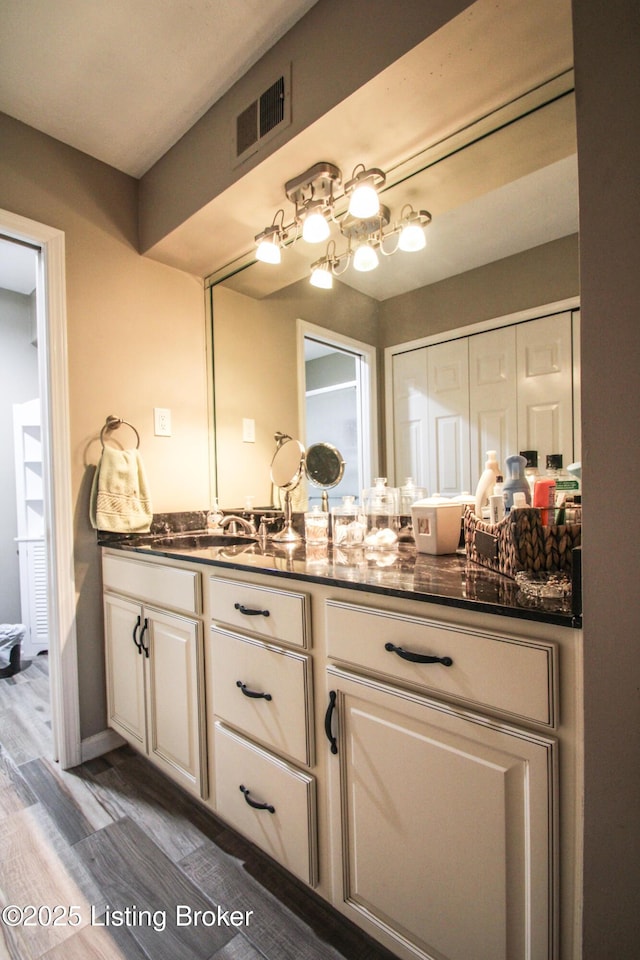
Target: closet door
{"x": 493, "y": 396}
{"x": 411, "y": 417}
{"x": 448, "y": 378}
{"x": 544, "y": 370}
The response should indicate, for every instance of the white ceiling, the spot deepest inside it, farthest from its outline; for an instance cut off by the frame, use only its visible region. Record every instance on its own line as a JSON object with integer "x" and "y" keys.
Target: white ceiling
{"x": 123, "y": 80}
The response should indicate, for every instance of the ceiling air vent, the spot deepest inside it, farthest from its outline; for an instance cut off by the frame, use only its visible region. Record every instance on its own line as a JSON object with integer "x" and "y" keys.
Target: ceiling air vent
{"x": 262, "y": 118}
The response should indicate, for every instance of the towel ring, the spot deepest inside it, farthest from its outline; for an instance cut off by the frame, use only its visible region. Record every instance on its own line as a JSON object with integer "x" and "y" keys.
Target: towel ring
{"x": 113, "y": 423}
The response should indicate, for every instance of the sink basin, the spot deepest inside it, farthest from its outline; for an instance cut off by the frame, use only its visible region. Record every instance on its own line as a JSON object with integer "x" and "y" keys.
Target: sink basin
{"x": 198, "y": 541}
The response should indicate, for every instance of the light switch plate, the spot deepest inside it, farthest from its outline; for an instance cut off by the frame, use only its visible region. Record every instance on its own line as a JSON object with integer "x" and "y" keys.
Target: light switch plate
{"x": 248, "y": 430}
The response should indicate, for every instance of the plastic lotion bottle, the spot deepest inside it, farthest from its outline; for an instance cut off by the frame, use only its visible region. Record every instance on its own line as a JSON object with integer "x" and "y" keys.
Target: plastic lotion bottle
{"x": 486, "y": 482}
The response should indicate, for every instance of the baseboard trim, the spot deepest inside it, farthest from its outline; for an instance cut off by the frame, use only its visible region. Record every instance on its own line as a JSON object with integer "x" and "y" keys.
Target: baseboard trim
{"x": 100, "y": 743}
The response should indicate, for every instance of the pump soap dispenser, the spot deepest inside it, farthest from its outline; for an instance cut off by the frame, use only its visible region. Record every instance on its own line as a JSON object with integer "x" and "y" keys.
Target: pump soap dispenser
{"x": 516, "y": 481}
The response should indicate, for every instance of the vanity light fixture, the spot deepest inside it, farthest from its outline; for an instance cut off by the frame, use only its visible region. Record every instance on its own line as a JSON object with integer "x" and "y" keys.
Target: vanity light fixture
{"x": 270, "y": 240}
{"x": 365, "y": 225}
{"x": 362, "y": 189}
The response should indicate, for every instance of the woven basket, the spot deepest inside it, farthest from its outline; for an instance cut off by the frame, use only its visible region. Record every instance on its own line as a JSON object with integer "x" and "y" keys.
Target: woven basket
{"x": 520, "y": 542}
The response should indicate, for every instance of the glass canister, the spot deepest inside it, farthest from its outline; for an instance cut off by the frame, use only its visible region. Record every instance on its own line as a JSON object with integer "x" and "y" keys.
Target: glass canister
{"x": 348, "y": 524}
{"x": 381, "y": 515}
{"x": 316, "y": 526}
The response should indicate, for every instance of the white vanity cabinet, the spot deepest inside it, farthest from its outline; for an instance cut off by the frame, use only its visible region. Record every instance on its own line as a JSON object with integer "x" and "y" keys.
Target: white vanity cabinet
{"x": 261, "y": 719}
{"x": 154, "y": 665}
{"x": 446, "y": 842}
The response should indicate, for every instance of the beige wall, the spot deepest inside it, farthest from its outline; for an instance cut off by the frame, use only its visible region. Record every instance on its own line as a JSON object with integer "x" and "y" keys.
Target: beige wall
{"x": 545, "y": 274}
{"x": 255, "y": 368}
{"x": 136, "y": 339}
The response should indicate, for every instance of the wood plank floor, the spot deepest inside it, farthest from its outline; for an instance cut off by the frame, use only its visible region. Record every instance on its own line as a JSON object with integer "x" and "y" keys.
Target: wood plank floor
{"x": 121, "y": 844}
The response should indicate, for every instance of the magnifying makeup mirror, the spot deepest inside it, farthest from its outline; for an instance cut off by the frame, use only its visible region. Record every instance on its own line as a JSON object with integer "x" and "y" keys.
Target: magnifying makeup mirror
{"x": 286, "y": 472}
{"x": 324, "y": 468}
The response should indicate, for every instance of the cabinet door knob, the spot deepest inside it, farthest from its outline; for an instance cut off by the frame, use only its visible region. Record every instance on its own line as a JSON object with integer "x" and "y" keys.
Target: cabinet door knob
{"x": 254, "y": 803}
{"x": 135, "y": 634}
{"x": 327, "y": 721}
{"x": 252, "y": 693}
{"x": 248, "y": 612}
{"x": 417, "y": 657}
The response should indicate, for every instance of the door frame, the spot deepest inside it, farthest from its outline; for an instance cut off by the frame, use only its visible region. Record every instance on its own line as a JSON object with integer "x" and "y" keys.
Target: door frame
{"x": 51, "y": 316}
{"x": 367, "y": 383}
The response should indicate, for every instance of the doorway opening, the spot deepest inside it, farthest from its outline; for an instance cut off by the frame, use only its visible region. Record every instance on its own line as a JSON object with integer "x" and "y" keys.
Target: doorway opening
{"x": 23, "y": 581}
{"x": 54, "y": 477}
{"x": 338, "y": 405}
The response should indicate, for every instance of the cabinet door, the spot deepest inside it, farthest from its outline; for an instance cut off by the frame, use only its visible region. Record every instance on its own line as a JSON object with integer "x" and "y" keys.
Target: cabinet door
{"x": 411, "y": 416}
{"x": 449, "y": 465}
{"x": 125, "y": 673}
{"x": 447, "y": 826}
{"x": 545, "y": 396}
{"x": 174, "y": 668}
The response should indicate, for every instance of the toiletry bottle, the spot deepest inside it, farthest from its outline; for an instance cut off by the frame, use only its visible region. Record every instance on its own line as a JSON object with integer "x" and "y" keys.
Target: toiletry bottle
{"x": 566, "y": 484}
{"x": 486, "y": 483}
{"x": 544, "y": 497}
{"x": 531, "y": 471}
{"x": 516, "y": 481}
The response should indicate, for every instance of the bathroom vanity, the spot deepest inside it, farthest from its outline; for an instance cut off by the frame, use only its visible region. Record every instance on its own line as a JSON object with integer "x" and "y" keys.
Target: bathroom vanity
{"x": 400, "y": 732}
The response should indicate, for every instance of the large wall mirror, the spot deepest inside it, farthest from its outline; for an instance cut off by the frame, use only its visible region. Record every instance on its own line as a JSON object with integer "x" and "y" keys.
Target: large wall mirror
{"x": 501, "y": 184}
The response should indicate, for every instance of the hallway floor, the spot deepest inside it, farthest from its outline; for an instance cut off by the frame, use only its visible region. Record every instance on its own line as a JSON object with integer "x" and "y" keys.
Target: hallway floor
{"x": 117, "y": 848}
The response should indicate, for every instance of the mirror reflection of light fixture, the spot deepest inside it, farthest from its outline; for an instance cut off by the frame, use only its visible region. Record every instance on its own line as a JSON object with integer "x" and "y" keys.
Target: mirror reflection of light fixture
{"x": 362, "y": 190}
{"x": 270, "y": 240}
{"x": 366, "y": 230}
{"x": 365, "y": 258}
{"x": 412, "y": 237}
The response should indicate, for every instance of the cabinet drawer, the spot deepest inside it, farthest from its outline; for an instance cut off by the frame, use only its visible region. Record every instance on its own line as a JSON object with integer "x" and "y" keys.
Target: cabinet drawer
{"x": 287, "y": 831}
{"x": 273, "y": 614}
{"x": 153, "y": 583}
{"x": 513, "y": 676}
{"x": 240, "y": 668}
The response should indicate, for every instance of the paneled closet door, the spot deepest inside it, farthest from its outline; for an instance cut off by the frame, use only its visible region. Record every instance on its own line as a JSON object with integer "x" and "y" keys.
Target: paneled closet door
{"x": 448, "y": 378}
{"x": 493, "y": 396}
{"x": 545, "y": 409}
{"x": 411, "y": 417}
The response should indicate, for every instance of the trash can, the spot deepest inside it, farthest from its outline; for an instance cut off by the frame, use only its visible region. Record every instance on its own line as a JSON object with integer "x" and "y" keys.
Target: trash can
{"x": 11, "y": 637}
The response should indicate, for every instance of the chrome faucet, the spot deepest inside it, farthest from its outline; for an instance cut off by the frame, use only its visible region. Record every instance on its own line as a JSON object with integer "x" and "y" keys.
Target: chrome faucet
{"x": 232, "y": 521}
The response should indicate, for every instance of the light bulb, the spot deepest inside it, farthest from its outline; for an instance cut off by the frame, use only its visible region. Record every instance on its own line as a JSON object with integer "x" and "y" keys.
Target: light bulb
{"x": 412, "y": 238}
{"x": 315, "y": 228}
{"x": 365, "y": 258}
{"x": 268, "y": 251}
{"x": 322, "y": 278}
{"x": 364, "y": 202}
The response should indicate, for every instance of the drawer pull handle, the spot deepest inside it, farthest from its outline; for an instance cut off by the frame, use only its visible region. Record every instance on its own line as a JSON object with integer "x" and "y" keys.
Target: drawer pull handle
{"x": 142, "y": 633}
{"x": 248, "y": 612}
{"x": 417, "y": 657}
{"x": 327, "y": 721}
{"x": 252, "y": 693}
{"x": 254, "y": 803}
{"x": 135, "y": 634}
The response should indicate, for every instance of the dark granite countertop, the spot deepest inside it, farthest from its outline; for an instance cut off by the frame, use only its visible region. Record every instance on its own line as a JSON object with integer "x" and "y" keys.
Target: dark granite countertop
{"x": 449, "y": 580}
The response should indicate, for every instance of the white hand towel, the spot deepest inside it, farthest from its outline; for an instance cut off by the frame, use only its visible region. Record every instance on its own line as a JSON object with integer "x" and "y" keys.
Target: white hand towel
{"x": 119, "y": 495}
